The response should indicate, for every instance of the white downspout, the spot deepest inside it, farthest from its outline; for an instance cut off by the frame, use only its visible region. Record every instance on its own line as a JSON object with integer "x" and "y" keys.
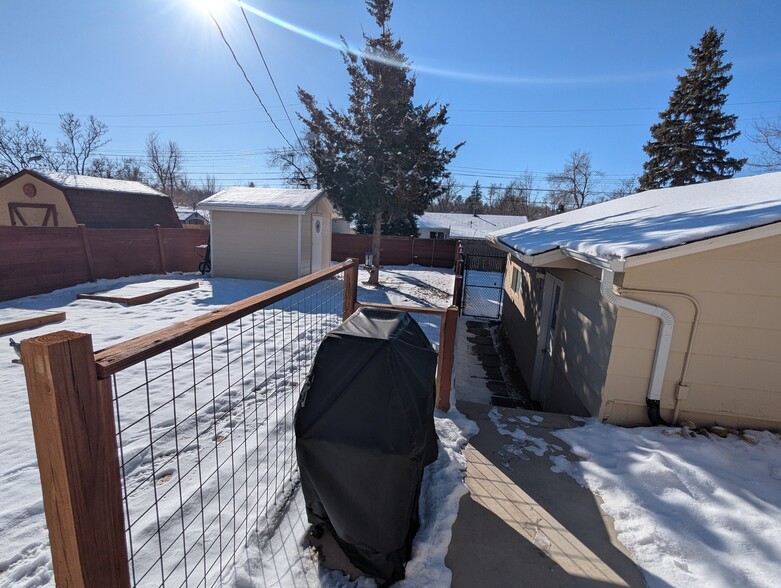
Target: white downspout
{"x": 663, "y": 342}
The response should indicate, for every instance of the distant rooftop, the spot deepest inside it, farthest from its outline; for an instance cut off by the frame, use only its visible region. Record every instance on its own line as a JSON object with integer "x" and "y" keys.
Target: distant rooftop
{"x": 282, "y": 200}
{"x": 468, "y": 226}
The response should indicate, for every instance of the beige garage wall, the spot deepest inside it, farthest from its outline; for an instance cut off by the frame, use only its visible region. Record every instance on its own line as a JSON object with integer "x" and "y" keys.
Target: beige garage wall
{"x": 46, "y": 194}
{"x": 254, "y": 245}
{"x": 735, "y": 369}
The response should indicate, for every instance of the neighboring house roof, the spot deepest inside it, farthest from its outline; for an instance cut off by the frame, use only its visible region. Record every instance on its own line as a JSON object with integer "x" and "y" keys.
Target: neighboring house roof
{"x": 275, "y": 200}
{"x": 468, "y": 226}
{"x": 187, "y": 213}
{"x": 66, "y": 180}
{"x": 653, "y": 220}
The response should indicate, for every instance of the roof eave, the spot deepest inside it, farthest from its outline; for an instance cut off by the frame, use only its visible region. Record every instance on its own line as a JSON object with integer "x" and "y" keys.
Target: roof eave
{"x": 707, "y": 244}
{"x": 255, "y": 209}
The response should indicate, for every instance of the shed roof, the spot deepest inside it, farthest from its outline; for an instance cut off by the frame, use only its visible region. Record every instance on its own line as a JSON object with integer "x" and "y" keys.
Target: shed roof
{"x": 653, "y": 220}
{"x": 468, "y": 226}
{"x": 66, "y": 181}
{"x": 277, "y": 200}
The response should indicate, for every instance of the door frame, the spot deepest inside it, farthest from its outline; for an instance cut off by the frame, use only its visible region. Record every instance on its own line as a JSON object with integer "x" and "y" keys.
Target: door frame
{"x": 546, "y": 337}
{"x": 316, "y": 216}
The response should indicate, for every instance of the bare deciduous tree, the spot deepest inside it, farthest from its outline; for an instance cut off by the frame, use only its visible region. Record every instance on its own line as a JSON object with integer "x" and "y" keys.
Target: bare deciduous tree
{"x": 125, "y": 168}
{"x": 80, "y": 141}
{"x": 165, "y": 161}
{"x": 297, "y": 166}
{"x": 449, "y": 200}
{"x": 576, "y": 184}
{"x": 767, "y": 134}
{"x": 22, "y": 147}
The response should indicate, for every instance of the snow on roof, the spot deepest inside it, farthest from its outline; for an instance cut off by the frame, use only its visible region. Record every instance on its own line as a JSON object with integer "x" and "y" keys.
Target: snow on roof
{"x": 66, "y": 180}
{"x": 653, "y": 220}
{"x": 283, "y": 200}
{"x": 468, "y": 226}
{"x": 184, "y": 213}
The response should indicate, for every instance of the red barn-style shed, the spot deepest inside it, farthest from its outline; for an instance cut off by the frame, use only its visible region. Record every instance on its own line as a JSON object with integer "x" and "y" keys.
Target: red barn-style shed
{"x": 57, "y": 199}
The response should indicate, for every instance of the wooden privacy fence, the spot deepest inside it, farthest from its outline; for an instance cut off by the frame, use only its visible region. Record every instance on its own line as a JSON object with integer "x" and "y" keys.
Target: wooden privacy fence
{"x": 160, "y": 456}
{"x": 42, "y": 259}
{"x": 396, "y": 250}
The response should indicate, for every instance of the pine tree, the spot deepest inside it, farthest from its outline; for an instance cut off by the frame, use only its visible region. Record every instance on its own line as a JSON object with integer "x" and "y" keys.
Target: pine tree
{"x": 475, "y": 198}
{"x": 688, "y": 144}
{"x": 381, "y": 160}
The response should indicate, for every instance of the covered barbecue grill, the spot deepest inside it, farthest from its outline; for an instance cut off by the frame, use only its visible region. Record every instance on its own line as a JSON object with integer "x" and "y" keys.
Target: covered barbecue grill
{"x": 365, "y": 431}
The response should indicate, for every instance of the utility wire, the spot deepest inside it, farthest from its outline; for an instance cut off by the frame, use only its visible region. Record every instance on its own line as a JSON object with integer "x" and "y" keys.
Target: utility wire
{"x": 271, "y": 77}
{"x": 238, "y": 63}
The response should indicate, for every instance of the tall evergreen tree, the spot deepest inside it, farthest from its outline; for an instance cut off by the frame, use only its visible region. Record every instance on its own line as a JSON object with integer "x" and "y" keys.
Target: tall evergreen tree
{"x": 688, "y": 144}
{"x": 381, "y": 159}
{"x": 475, "y": 198}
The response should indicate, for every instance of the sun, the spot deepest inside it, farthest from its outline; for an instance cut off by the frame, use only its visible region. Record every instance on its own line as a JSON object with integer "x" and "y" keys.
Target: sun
{"x": 213, "y": 7}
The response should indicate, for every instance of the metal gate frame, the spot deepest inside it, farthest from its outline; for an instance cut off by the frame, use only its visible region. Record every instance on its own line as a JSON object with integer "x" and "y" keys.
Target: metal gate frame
{"x": 483, "y": 289}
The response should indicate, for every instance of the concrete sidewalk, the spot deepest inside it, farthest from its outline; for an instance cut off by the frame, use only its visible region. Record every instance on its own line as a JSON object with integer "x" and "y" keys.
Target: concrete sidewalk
{"x": 522, "y": 524}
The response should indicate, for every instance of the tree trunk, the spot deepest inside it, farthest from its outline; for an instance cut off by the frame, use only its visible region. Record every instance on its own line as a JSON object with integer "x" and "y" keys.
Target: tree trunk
{"x": 374, "y": 273}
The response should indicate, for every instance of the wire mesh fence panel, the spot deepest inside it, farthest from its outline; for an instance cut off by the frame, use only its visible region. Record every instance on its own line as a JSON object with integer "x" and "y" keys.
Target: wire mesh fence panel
{"x": 205, "y": 431}
{"x": 483, "y": 286}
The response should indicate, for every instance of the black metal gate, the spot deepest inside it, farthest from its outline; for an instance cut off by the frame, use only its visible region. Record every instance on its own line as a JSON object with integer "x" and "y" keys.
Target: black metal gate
{"x": 483, "y": 285}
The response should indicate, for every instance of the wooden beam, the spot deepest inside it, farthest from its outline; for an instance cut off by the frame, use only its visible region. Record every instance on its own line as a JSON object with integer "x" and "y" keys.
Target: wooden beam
{"x": 160, "y": 248}
{"x": 141, "y": 298}
{"x": 123, "y": 355}
{"x": 447, "y": 344}
{"x": 87, "y": 252}
{"x": 350, "y": 290}
{"x": 416, "y": 309}
{"x": 37, "y": 319}
{"x": 75, "y": 441}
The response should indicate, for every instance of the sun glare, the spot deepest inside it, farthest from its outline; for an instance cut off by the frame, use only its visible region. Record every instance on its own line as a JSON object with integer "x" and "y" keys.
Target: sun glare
{"x": 214, "y": 7}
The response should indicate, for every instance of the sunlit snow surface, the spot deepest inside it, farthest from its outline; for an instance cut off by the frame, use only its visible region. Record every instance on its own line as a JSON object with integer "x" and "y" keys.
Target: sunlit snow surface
{"x": 693, "y": 511}
{"x": 281, "y": 559}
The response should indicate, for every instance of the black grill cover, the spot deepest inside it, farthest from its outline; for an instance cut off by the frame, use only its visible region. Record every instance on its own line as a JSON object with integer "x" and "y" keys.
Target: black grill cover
{"x": 365, "y": 431}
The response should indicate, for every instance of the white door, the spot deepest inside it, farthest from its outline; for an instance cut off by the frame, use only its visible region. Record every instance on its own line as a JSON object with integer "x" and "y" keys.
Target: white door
{"x": 549, "y": 325}
{"x": 317, "y": 242}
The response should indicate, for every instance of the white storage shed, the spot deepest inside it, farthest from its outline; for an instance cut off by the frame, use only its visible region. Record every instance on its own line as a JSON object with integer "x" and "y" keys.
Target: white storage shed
{"x": 276, "y": 234}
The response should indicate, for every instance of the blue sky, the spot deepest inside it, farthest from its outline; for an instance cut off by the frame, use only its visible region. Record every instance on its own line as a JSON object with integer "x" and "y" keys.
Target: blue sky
{"x": 527, "y": 82}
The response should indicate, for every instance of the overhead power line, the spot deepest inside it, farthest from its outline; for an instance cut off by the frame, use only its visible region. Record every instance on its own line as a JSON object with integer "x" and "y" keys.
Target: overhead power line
{"x": 271, "y": 77}
{"x": 249, "y": 82}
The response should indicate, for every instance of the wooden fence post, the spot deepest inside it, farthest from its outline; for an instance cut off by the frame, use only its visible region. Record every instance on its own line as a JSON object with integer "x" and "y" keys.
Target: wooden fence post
{"x": 350, "y": 289}
{"x": 160, "y": 248}
{"x": 87, "y": 252}
{"x": 75, "y": 440}
{"x": 447, "y": 344}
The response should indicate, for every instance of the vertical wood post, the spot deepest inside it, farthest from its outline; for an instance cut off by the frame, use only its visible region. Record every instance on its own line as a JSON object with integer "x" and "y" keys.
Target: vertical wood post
{"x": 458, "y": 286}
{"x": 447, "y": 346}
{"x": 457, "y": 255}
{"x": 412, "y": 251}
{"x": 75, "y": 441}
{"x": 350, "y": 295}
{"x": 87, "y": 252}
{"x": 160, "y": 248}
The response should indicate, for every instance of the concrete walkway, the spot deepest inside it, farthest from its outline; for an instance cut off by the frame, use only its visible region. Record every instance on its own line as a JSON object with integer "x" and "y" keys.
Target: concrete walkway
{"x": 522, "y": 524}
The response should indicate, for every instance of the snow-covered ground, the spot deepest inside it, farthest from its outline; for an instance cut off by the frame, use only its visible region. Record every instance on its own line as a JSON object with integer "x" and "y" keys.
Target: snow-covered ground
{"x": 156, "y": 466}
{"x": 693, "y": 510}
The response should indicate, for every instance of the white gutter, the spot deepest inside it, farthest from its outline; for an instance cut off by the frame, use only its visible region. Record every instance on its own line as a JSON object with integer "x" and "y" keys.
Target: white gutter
{"x": 665, "y": 331}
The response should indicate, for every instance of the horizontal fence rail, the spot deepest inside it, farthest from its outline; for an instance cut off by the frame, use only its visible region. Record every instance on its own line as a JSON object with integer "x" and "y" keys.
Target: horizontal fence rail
{"x": 161, "y": 457}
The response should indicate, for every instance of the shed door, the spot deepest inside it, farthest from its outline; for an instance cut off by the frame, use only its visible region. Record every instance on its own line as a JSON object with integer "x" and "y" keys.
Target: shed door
{"x": 317, "y": 242}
